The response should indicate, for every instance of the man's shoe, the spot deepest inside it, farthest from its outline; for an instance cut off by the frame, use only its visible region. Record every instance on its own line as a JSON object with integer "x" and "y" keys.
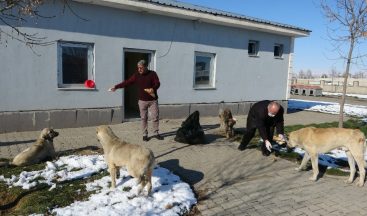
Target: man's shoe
{"x": 145, "y": 138}
{"x": 159, "y": 137}
{"x": 241, "y": 147}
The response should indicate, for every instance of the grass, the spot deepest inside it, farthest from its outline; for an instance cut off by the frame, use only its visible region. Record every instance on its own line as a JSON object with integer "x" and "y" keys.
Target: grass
{"x": 353, "y": 123}
{"x": 39, "y": 200}
{"x": 336, "y": 172}
{"x": 12, "y": 170}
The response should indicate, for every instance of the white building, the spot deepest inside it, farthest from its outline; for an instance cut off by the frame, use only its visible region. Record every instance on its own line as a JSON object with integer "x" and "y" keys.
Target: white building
{"x": 203, "y": 57}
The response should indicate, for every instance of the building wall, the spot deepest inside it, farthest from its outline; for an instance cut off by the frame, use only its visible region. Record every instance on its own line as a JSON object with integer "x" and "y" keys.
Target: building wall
{"x": 335, "y": 85}
{"x": 28, "y": 78}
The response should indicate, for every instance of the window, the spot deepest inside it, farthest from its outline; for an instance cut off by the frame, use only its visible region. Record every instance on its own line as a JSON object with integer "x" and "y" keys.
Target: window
{"x": 75, "y": 64}
{"x": 253, "y": 48}
{"x": 204, "y": 70}
{"x": 278, "y": 50}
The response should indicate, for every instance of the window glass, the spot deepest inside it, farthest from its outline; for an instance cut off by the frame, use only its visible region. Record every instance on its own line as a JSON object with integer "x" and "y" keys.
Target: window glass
{"x": 204, "y": 70}
{"x": 253, "y": 47}
{"x": 75, "y": 64}
{"x": 278, "y": 50}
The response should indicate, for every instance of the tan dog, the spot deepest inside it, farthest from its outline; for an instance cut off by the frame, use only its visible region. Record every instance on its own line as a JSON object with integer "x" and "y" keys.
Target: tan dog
{"x": 41, "y": 150}
{"x": 321, "y": 140}
{"x": 227, "y": 122}
{"x": 278, "y": 140}
{"x": 138, "y": 160}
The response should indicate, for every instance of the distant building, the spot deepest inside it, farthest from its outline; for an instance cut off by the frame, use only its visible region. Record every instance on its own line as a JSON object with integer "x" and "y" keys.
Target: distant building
{"x": 205, "y": 59}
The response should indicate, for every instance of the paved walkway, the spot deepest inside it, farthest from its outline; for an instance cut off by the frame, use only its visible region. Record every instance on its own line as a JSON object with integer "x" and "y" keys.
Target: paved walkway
{"x": 229, "y": 182}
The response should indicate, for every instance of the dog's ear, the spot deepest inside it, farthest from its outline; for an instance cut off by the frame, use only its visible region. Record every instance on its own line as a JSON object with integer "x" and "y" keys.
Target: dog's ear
{"x": 44, "y": 133}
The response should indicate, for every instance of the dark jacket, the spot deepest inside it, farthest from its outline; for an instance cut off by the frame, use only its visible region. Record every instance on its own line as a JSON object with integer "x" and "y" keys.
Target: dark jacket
{"x": 149, "y": 79}
{"x": 258, "y": 118}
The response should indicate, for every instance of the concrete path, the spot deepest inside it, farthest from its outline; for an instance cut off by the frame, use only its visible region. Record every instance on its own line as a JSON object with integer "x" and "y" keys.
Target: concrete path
{"x": 228, "y": 182}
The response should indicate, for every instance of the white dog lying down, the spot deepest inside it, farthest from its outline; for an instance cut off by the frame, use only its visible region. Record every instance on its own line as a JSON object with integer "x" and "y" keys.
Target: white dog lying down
{"x": 41, "y": 150}
{"x": 321, "y": 140}
{"x": 138, "y": 160}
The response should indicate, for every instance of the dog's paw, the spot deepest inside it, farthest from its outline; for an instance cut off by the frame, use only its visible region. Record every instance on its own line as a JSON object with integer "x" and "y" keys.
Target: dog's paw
{"x": 313, "y": 178}
{"x": 298, "y": 169}
{"x": 360, "y": 184}
{"x": 348, "y": 181}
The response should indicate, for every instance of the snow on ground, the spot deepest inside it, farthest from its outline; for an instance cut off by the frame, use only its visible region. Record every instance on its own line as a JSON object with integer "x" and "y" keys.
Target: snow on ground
{"x": 329, "y": 159}
{"x": 327, "y": 107}
{"x": 170, "y": 196}
{"x": 350, "y": 95}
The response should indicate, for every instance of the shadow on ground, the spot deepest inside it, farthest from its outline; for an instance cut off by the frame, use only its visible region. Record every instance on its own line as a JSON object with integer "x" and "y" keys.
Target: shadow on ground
{"x": 190, "y": 176}
{"x": 16, "y": 142}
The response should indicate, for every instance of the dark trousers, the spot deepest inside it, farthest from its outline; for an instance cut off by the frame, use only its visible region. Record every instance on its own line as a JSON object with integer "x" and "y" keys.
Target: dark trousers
{"x": 250, "y": 133}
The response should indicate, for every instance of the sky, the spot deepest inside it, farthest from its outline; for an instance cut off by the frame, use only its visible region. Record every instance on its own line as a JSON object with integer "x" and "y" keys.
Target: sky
{"x": 313, "y": 53}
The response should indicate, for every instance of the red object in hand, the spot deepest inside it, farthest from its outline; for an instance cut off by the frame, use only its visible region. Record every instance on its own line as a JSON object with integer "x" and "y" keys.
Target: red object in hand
{"x": 89, "y": 84}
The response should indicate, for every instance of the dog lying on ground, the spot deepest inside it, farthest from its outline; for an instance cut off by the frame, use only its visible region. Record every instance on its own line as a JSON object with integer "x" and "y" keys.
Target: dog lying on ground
{"x": 227, "y": 122}
{"x": 41, "y": 150}
{"x": 321, "y": 140}
{"x": 138, "y": 160}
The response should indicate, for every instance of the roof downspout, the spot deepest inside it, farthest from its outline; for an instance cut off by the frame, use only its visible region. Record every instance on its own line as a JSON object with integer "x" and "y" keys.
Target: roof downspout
{"x": 290, "y": 68}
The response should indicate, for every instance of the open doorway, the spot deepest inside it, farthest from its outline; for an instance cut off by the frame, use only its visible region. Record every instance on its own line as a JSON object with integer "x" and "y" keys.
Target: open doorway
{"x": 131, "y": 58}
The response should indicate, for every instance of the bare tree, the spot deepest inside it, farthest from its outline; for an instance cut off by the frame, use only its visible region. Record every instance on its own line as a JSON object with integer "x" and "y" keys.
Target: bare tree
{"x": 15, "y": 13}
{"x": 350, "y": 20}
{"x": 309, "y": 74}
{"x": 301, "y": 74}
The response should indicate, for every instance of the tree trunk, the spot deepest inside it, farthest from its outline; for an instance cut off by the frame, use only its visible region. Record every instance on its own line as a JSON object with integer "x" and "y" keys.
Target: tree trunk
{"x": 345, "y": 84}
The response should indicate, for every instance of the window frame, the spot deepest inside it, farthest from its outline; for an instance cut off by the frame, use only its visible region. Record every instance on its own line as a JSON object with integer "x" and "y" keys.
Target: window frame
{"x": 281, "y": 49}
{"x": 257, "y": 48}
{"x": 90, "y": 62}
{"x": 212, "y": 72}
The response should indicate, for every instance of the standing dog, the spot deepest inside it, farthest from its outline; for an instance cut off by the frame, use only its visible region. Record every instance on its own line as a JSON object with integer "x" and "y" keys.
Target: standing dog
{"x": 227, "y": 122}
{"x": 321, "y": 140}
{"x": 138, "y": 160}
{"x": 41, "y": 150}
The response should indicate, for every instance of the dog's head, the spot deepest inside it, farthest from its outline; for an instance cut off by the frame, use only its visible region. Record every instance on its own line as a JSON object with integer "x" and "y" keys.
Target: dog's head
{"x": 104, "y": 134}
{"x": 49, "y": 134}
{"x": 293, "y": 139}
{"x": 278, "y": 140}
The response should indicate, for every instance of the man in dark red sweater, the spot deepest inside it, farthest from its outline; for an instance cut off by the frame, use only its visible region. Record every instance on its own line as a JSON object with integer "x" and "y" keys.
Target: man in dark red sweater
{"x": 148, "y": 83}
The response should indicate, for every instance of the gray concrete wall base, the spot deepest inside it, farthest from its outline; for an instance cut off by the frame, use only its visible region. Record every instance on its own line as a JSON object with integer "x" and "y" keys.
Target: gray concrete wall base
{"x": 205, "y": 109}
{"x": 174, "y": 111}
{"x": 37, "y": 120}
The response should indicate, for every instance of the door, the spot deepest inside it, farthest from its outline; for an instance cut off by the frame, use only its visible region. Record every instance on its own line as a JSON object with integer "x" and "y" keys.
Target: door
{"x": 131, "y": 58}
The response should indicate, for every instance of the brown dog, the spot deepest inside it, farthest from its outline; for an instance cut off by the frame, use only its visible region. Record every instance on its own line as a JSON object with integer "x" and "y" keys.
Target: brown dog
{"x": 227, "y": 122}
{"x": 321, "y": 140}
{"x": 138, "y": 160}
{"x": 41, "y": 150}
